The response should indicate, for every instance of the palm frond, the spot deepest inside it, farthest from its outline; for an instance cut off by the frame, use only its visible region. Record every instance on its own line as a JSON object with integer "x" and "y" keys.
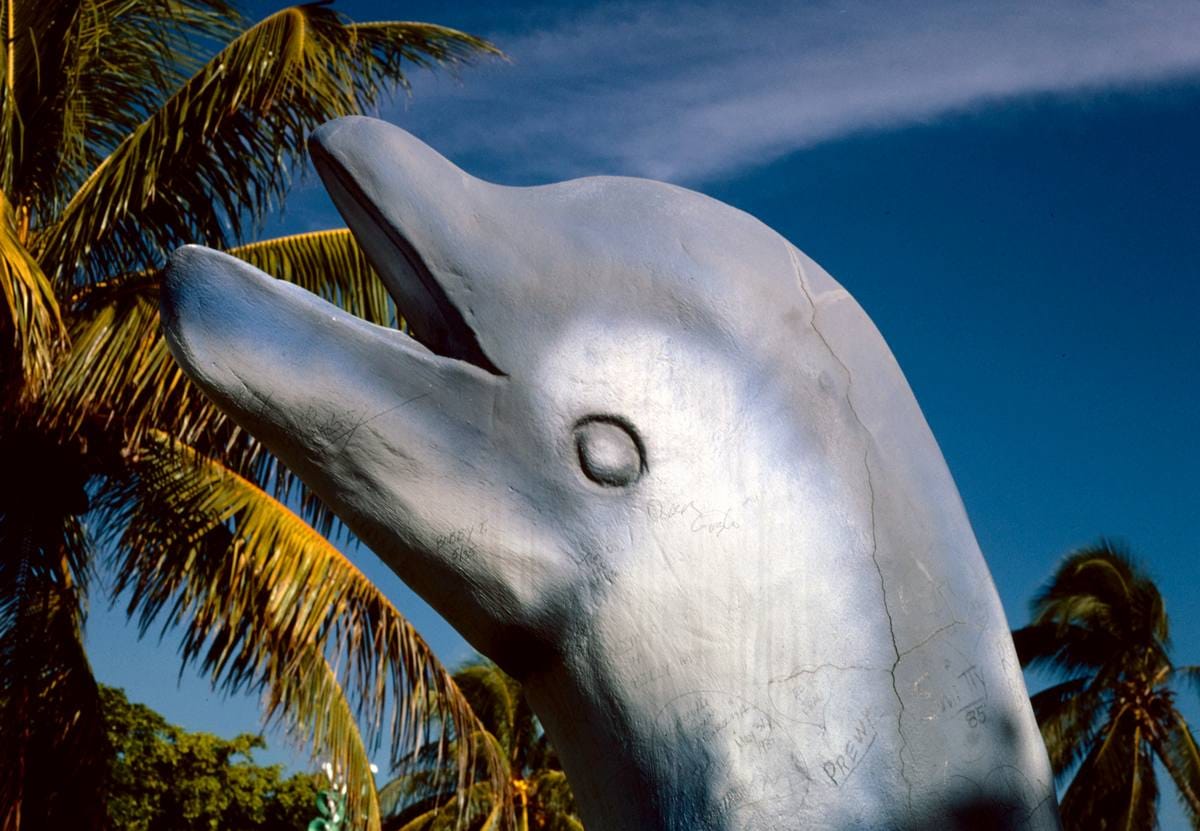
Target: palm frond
{"x": 1188, "y": 676}
{"x": 564, "y": 822}
{"x": 415, "y": 791}
{"x": 119, "y": 362}
{"x": 473, "y": 807}
{"x": 1063, "y": 647}
{"x": 494, "y": 698}
{"x": 118, "y": 369}
{"x": 1115, "y": 785}
{"x": 312, "y": 701}
{"x": 1102, "y": 585}
{"x": 216, "y": 154}
{"x": 85, "y": 74}
{"x": 552, "y": 792}
{"x": 537, "y": 790}
{"x": 1181, "y": 757}
{"x": 253, "y": 587}
{"x": 30, "y": 319}
{"x": 1068, "y": 715}
{"x": 425, "y": 794}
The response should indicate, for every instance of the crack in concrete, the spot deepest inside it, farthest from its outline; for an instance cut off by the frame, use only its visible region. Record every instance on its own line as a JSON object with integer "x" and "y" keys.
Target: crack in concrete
{"x": 931, "y": 636}
{"x": 800, "y": 279}
{"x": 815, "y": 668}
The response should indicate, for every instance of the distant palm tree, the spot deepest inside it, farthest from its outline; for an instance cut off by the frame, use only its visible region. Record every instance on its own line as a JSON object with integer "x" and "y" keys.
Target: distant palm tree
{"x": 1100, "y": 624}
{"x": 537, "y": 796}
{"x": 128, "y": 127}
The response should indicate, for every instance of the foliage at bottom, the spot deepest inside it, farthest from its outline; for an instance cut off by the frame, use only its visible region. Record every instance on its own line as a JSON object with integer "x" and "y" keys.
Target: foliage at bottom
{"x": 165, "y": 778}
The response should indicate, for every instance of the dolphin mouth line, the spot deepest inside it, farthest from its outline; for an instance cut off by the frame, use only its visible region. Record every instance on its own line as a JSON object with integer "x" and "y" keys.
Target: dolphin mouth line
{"x": 437, "y": 325}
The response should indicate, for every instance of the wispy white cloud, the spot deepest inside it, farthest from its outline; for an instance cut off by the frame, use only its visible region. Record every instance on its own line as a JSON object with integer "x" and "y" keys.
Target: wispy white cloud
{"x": 688, "y": 92}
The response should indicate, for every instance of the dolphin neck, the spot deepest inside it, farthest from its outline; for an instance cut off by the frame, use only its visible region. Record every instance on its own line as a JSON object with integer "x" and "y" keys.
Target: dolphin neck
{"x": 701, "y": 760}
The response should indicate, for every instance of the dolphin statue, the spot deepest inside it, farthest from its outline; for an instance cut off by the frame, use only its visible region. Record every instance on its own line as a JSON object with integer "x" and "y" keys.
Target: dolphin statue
{"x": 658, "y": 465}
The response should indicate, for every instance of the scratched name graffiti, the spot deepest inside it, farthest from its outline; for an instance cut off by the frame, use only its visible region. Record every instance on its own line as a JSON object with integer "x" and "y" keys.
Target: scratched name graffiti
{"x": 966, "y": 697}
{"x": 460, "y": 542}
{"x": 746, "y": 724}
{"x": 699, "y": 519}
{"x": 841, "y": 767}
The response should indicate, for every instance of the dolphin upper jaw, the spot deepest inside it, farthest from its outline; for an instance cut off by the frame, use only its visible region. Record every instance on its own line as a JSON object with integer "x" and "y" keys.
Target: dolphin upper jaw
{"x": 360, "y": 186}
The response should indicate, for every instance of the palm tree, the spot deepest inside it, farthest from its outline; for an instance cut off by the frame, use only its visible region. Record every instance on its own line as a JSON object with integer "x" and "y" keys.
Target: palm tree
{"x": 1100, "y": 624}
{"x": 535, "y": 795}
{"x": 128, "y": 127}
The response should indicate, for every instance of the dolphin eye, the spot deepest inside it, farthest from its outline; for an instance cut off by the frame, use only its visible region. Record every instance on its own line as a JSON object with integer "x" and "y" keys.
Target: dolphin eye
{"x": 610, "y": 451}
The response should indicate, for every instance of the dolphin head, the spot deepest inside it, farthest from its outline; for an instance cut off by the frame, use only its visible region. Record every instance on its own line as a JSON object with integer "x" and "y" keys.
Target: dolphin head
{"x": 577, "y": 353}
{"x": 651, "y": 459}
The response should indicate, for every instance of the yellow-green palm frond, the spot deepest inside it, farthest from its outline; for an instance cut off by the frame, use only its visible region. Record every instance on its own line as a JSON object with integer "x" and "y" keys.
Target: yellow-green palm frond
{"x": 496, "y": 699}
{"x": 119, "y": 367}
{"x": 537, "y": 791}
{"x": 81, "y": 74}
{"x": 1101, "y": 622}
{"x": 316, "y": 707}
{"x": 394, "y": 42}
{"x": 429, "y": 785}
{"x": 257, "y": 590}
{"x": 330, "y": 265}
{"x": 118, "y": 370}
{"x": 551, "y": 791}
{"x": 474, "y": 808}
{"x": 216, "y": 154}
{"x": 30, "y": 323}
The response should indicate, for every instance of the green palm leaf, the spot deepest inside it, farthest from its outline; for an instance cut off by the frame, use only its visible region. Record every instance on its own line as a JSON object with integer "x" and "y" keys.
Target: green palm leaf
{"x": 130, "y": 126}
{"x": 30, "y": 318}
{"x": 475, "y": 808}
{"x": 494, "y": 698}
{"x": 1115, "y": 785}
{"x": 119, "y": 370}
{"x": 330, "y": 265}
{"x": 216, "y": 153}
{"x": 84, "y": 74}
{"x": 264, "y": 600}
{"x": 1181, "y": 757}
{"x": 1068, "y": 714}
{"x": 536, "y": 792}
{"x": 314, "y": 702}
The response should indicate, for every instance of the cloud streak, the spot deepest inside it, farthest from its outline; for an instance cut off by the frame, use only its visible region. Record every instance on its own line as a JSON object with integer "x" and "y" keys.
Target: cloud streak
{"x": 689, "y": 92}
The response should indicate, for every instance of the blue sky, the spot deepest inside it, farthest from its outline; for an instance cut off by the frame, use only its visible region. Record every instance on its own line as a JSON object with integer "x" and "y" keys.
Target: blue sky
{"x": 1011, "y": 190}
